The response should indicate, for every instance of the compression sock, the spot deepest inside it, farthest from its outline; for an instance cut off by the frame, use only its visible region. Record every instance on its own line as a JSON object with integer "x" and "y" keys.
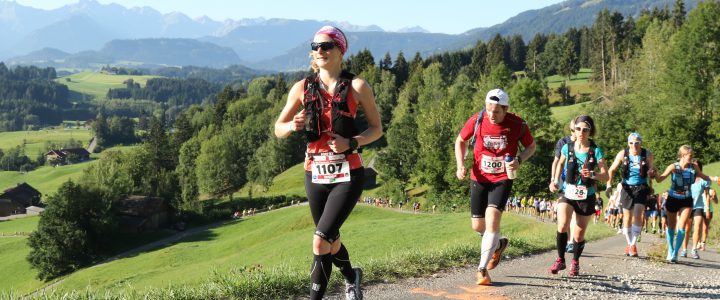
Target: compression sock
{"x": 670, "y": 237}
{"x": 678, "y": 241}
{"x": 489, "y": 242}
{"x": 320, "y": 275}
{"x": 341, "y": 259}
{"x": 579, "y": 247}
{"x": 634, "y": 234}
{"x": 626, "y": 234}
{"x": 561, "y": 240}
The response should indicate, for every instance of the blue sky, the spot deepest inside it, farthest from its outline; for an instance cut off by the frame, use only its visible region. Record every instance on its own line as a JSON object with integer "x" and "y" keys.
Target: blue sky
{"x": 444, "y": 16}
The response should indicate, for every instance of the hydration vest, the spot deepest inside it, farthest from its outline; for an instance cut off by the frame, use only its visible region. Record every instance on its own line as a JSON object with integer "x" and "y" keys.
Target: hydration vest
{"x": 644, "y": 167}
{"x": 572, "y": 174}
{"x": 678, "y": 183}
{"x": 342, "y": 121}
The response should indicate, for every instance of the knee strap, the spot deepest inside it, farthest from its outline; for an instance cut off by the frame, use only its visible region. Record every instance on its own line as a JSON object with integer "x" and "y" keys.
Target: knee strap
{"x": 326, "y": 238}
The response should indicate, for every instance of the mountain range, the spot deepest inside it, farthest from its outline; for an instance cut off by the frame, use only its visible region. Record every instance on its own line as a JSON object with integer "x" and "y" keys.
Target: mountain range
{"x": 89, "y": 34}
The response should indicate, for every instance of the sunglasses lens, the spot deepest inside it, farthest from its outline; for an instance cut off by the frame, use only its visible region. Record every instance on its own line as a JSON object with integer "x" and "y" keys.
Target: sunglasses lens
{"x": 325, "y": 46}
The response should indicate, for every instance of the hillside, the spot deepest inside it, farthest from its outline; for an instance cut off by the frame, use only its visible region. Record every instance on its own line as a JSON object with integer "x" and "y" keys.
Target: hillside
{"x": 35, "y": 140}
{"x": 47, "y": 179}
{"x": 97, "y": 84}
{"x": 228, "y": 249}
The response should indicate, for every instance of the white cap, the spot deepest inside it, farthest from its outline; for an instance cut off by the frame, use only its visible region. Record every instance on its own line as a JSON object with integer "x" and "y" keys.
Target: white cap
{"x": 497, "y": 96}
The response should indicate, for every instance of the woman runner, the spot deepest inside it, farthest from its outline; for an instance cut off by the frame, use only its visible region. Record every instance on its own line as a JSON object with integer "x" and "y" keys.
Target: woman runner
{"x": 333, "y": 167}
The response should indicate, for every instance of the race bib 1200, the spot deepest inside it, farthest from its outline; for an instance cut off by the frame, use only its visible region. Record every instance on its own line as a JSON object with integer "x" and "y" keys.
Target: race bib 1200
{"x": 492, "y": 165}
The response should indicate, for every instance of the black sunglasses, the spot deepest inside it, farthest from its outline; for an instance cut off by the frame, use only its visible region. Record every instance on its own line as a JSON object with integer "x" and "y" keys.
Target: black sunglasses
{"x": 583, "y": 129}
{"x": 325, "y": 46}
{"x": 634, "y": 143}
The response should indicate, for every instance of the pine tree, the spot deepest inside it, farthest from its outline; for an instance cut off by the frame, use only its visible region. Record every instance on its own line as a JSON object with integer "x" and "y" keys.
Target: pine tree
{"x": 401, "y": 69}
{"x": 386, "y": 62}
{"x": 678, "y": 13}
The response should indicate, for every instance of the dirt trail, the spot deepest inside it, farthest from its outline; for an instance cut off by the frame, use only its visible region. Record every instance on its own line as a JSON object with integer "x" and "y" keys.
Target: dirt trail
{"x": 605, "y": 273}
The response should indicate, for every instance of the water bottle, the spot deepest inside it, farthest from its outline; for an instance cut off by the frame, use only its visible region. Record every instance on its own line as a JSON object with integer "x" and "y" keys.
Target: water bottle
{"x": 508, "y": 160}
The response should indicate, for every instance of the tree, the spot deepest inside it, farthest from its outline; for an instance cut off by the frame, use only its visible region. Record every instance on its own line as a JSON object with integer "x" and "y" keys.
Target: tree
{"x": 187, "y": 176}
{"x": 102, "y": 130}
{"x": 600, "y": 58}
{"x": 434, "y": 129}
{"x": 416, "y": 63}
{"x": 477, "y": 61}
{"x": 534, "y": 49}
{"x": 160, "y": 161}
{"x": 694, "y": 76}
{"x": 72, "y": 231}
{"x": 217, "y": 166}
{"x": 517, "y": 53}
{"x": 386, "y": 97}
{"x": 400, "y": 69}
{"x": 399, "y": 158}
{"x": 386, "y": 62}
{"x": 678, "y": 13}
{"x": 497, "y": 51}
{"x": 528, "y": 100}
{"x": 568, "y": 64}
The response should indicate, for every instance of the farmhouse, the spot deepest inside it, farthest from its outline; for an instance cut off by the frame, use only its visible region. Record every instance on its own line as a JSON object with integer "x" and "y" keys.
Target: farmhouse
{"x": 139, "y": 213}
{"x": 67, "y": 156}
{"x": 17, "y": 199}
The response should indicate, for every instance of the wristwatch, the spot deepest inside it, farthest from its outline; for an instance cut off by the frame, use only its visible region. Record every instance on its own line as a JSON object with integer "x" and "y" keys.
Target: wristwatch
{"x": 353, "y": 144}
{"x": 518, "y": 159}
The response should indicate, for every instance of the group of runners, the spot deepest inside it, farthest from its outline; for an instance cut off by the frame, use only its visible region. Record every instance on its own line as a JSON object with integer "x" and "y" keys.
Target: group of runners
{"x": 323, "y": 107}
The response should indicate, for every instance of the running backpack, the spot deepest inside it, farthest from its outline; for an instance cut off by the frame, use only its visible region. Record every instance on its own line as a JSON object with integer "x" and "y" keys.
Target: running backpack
{"x": 342, "y": 122}
{"x": 572, "y": 166}
{"x": 643, "y": 163}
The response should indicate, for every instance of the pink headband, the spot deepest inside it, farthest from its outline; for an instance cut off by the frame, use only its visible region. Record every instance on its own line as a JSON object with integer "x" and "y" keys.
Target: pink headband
{"x": 337, "y": 36}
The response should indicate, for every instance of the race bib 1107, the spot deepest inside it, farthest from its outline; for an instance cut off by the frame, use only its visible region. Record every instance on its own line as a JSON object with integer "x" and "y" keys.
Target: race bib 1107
{"x": 332, "y": 168}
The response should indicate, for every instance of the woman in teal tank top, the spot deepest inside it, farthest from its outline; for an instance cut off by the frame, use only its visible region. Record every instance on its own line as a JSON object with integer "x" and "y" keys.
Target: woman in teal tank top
{"x": 679, "y": 201}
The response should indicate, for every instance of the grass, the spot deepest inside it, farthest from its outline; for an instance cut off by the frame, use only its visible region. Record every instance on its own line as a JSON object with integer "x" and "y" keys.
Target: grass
{"x": 34, "y": 141}
{"x": 16, "y": 274}
{"x": 564, "y": 114}
{"x": 47, "y": 179}
{"x": 579, "y": 84}
{"x": 97, "y": 84}
{"x": 23, "y": 225}
{"x": 15, "y": 271}
{"x": 386, "y": 243}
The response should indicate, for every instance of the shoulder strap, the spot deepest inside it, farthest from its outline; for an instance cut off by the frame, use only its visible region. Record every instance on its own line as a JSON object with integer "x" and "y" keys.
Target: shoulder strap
{"x": 478, "y": 122}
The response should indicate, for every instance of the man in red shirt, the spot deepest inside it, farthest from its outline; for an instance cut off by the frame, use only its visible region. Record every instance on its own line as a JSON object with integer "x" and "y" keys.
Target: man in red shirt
{"x": 498, "y": 134}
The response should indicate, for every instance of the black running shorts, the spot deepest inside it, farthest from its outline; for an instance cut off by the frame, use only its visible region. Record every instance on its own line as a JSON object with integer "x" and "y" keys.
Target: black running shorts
{"x": 484, "y": 195}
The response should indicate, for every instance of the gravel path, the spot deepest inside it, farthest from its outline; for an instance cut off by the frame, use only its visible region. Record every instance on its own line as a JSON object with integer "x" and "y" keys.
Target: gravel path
{"x": 605, "y": 273}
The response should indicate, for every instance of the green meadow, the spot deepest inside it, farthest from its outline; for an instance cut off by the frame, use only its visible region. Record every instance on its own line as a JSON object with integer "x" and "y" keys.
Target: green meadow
{"x": 386, "y": 243}
{"x": 35, "y": 140}
{"x": 579, "y": 84}
{"x": 97, "y": 84}
{"x": 15, "y": 271}
{"x": 47, "y": 179}
{"x": 564, "y": 114}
